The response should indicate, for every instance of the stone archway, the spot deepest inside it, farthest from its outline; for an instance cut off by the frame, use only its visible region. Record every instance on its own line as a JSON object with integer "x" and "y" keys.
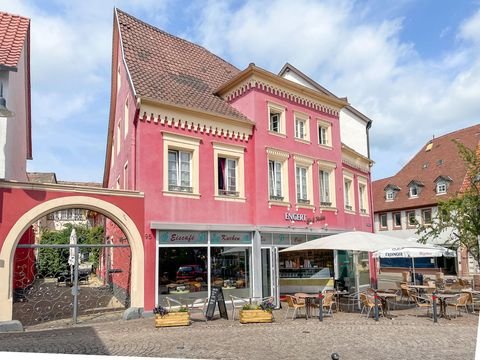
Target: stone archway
{"x": 113, "y": 212}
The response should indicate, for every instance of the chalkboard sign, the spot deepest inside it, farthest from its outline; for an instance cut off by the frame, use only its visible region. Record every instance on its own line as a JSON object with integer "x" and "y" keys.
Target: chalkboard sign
{"x": 216, "y": 296}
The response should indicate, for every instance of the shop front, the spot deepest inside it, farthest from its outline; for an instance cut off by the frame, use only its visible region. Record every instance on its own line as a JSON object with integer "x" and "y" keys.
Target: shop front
{"x": 190, "y": 262}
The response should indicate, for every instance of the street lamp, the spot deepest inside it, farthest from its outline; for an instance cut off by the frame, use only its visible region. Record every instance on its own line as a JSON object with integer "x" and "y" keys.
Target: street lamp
{"x": 4, "y": 112}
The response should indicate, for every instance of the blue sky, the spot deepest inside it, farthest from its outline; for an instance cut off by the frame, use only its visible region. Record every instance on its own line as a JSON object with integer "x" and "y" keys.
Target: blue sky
{"x": 412, "y": 66}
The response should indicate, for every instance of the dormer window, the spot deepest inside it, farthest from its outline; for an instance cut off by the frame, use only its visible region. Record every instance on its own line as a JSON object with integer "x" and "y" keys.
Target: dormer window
{"x": 415, "y": 188}
{"x": 391, "y": 192}
{"x": 442, "y": 183}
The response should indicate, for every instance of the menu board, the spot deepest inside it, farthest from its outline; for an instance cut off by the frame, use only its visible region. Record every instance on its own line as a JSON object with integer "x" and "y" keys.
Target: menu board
{"x": 216, "y": 296}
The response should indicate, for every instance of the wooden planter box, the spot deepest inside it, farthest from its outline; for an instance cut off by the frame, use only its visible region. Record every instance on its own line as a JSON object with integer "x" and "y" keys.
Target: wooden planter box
{"x": 255, "y": 316}
{"x": 173, "y": 319}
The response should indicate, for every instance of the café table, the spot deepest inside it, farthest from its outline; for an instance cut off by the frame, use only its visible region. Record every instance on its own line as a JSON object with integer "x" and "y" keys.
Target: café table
{"x": 442, "y": 300}
{"x": 422, "y": 288}
{"x": 384, "y": 296}
{"x": 309, "y": 299}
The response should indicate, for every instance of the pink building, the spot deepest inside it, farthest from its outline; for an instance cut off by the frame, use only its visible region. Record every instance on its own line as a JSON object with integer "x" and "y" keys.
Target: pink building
{"x": 235, "y": 165}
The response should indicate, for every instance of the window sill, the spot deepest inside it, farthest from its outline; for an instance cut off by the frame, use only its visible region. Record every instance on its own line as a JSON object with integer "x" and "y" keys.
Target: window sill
{"x": 303, "y": 141}
{"x": 383, "y": 229}
{"x": 304, "y": 206}
{"x": 326, "y": 147}
{"x": 352, "y": 212}
{"x": 230, "y": 198}
{"x": 328, "y": 208}
{"x": 181, "y": 194}
{"x": 365, "y": 214}
{"x": 277, "y": 134}
{"x": 278, "y": 203}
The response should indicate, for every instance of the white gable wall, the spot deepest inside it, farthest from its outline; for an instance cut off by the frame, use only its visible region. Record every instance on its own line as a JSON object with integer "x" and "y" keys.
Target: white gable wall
{"x": 353, "y": 132}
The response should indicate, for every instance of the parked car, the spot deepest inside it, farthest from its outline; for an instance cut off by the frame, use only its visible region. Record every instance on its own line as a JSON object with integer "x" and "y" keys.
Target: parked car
{"x": 191, "y": 272}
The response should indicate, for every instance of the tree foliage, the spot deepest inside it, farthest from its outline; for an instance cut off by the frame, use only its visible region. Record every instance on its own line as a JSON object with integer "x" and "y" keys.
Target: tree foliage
{"x": 53, "y": 261}
{"x": 460, "y": 215}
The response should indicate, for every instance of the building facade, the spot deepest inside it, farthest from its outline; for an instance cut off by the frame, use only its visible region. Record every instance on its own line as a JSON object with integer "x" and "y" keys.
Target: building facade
{"x": 411, "y": 196}
{"x": 235, "y": 165}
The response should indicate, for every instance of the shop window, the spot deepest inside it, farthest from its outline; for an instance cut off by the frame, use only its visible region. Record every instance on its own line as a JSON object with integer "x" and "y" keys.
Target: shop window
{"x": 181, "y": 163}
{"x": 229, "y": 172}
{"x": 315, "y": 264}
{"x": 230, "y": 269}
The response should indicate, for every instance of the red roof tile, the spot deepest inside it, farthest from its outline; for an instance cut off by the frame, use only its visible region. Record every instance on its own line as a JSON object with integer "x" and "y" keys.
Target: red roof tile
{"x": 425, "y": 167}
{"x": 13, "y": 33}
{"x": 169, "y": 69}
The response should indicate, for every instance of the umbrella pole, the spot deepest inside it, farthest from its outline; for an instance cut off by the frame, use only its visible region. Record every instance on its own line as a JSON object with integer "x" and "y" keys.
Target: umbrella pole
{"x": 413, "y": 270}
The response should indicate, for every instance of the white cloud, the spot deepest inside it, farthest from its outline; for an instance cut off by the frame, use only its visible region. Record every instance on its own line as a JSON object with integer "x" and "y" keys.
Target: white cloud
{"x": 409, "y": 98}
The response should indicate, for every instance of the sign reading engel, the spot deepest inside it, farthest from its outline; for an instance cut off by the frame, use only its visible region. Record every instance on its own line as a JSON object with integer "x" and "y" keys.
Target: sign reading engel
{"x": 295, "y": 217}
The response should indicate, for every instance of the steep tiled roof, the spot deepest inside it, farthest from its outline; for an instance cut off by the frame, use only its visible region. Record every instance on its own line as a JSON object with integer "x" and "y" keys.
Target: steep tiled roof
{"x": 172, "y": 70}
{"x": 13, "y": 32}
{"x": 425, "y": 167}
{"x": 42, "y": 177}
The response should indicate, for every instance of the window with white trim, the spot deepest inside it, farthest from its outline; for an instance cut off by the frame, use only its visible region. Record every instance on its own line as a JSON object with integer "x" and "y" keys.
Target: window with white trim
{"x": 362, "y": 197}
{"x": 301, "y": 178}
{"x": 441, "y": 187}
{"x": 181, "y": 164}
{"x": 179, "y": 171}
{"x": 413, "y": 192}
{"x": 275, "y": 180}
{"x": 276, "y": 118}
{"x": 229, "y": 171}
{"x": 277, "y": 162}
{"x": 326, "y": 177}
{"x": 324, "y": 133}
{"x": 300, "y": 128}
{"x": 348, "y": 192}
{"x": 389, "y": 195}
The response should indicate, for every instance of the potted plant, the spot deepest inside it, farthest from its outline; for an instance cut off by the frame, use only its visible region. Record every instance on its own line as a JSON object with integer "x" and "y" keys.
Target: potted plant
{"x": 257, "y": 313}
{"x": 164, "y": 317}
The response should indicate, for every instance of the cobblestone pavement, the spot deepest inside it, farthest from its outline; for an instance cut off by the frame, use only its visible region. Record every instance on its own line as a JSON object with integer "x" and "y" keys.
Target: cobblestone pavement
{"x": 350, "y": 335}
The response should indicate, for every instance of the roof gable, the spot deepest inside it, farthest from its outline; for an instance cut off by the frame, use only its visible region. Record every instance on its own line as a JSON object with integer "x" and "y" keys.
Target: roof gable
{"x": 13, "y": 34}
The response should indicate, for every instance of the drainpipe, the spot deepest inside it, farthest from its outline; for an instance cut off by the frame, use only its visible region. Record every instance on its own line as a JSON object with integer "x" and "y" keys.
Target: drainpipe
{"x": 134, "y": 145}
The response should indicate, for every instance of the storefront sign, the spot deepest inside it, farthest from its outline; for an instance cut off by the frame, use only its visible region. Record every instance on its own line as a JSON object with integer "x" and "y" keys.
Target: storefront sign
{"x": 183, "y": 237}
{"x": 230, "y": 238}
{"x": 295, "y": 217}
{"x": 281, "y": 239}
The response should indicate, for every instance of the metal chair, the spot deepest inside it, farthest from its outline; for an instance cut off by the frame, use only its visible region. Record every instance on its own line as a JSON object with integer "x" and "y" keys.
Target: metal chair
{"x": 199, "y": 306}
{"x": 237, "y": 303}
{"x": 292, "y": 302}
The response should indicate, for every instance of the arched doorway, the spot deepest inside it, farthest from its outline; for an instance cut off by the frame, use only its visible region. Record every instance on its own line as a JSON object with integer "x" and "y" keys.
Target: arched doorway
{"x": 132, "y": 246}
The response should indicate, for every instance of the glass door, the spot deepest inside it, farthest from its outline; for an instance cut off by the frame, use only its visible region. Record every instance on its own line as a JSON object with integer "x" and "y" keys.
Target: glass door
{"x": 270, "y": 286}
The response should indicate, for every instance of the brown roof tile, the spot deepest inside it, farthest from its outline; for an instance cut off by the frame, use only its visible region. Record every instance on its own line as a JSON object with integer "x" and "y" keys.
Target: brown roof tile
{"x": 173, "y": 70}
{"x": 42, "y": 177}
{"x": 425, "y": 167}
{"x": 13, "y": 32}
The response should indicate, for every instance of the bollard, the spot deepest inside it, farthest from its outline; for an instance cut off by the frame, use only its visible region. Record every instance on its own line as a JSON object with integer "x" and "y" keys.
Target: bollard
{"x": 375, "y": 296}
{"x": 320, "y": 307}
{"x": 434, "y": 305}
{"x": 335, "y": 356}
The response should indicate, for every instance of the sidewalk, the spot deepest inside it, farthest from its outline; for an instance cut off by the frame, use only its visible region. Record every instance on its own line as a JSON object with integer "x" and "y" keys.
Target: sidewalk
{"x": 350, "y": 335}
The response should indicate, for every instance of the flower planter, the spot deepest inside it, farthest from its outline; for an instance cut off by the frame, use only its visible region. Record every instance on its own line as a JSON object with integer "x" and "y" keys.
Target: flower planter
{"x": 173, "y": 319}
{"x": 255, "y": 316}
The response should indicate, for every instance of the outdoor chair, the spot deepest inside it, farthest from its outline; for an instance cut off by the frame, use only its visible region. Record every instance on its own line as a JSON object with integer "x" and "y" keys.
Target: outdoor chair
{"x": 293, "y": 304}
{"x": 368, "y": 304}
{"x": 300, "y": 297}
{"x": 237, "y": 303}
{"x": 328, "y": 303}
{"x": 171, "y": 302}
{"x": 407, "y": 293}
{"x": 199, "y": 306}
{"x": 462, "y": 301}
{"x": 421, "y": 303}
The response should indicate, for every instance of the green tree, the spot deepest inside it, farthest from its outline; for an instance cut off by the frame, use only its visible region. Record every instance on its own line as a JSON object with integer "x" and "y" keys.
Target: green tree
{"x": 460, "y": 215}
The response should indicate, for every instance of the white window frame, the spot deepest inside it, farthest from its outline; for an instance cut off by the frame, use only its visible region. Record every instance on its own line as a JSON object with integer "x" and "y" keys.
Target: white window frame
{"x": 172, "y": 141}
{"x": 327, "y": 167}
{"x": 441, "y": 187}
{"x": 276, "y": 109}
{"x": 348, "y": 192}
{"x": 389, "y": 195}
{"x": 410, "y": 191}
{"x": 363, "y": 196}
{"x": 232, "y": 152}
{"x": 304, "y": 163}
{"x": 301, "y": 118}
{"x": 180, "y": 157}
{"x": 281, "y": 157}
{"x": 327, "y": 127}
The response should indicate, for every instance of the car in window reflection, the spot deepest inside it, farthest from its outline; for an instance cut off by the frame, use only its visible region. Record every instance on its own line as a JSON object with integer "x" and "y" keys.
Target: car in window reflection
{"x": 191, "y": 272}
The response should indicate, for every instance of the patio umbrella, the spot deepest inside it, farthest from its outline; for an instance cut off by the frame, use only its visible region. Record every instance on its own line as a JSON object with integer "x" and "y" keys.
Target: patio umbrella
{"x": 414, "y": 252}
{"x": 72, "y": 252}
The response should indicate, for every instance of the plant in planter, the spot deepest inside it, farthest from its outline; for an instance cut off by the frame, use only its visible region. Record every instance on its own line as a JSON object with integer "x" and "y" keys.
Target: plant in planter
{"x": 164, "y": 317}
{"x": 257, "y": 313}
